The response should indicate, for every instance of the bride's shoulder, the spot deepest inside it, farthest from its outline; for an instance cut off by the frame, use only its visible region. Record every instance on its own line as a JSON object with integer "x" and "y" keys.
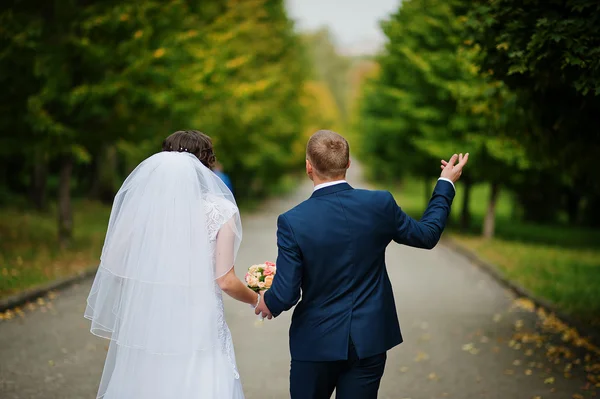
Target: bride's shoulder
{"x": 222, "y": 204}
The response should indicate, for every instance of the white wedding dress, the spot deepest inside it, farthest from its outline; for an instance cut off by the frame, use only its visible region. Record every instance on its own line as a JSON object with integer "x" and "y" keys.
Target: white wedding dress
{"x": 173, "y": 230}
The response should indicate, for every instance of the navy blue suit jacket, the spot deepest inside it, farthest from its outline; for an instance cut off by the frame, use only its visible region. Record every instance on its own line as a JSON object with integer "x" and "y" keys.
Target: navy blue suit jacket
{"x": 332, "y": 251}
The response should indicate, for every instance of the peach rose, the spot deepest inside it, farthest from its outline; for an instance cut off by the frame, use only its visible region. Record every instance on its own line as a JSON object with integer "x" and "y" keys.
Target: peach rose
{"x": 268, "y": 281}
{"x": 252, "y": 281}
{"x": 261, "y": 284}
{"x": 253, "y": 268}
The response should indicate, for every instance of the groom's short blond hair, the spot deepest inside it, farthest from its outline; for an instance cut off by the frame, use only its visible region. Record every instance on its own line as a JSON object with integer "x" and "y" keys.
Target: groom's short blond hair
{"x": 328, "y": 153}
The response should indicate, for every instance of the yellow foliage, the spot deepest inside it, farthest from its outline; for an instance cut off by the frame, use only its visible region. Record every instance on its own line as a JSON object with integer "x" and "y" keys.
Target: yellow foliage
{"x": 250, "y": 88}
{"x": 237, "y": 62}
{"x": 191, "y": 33}
{"x": 159, "y": 53}
{"x": 321, "y": 109}
{"x": 222, "y": 38}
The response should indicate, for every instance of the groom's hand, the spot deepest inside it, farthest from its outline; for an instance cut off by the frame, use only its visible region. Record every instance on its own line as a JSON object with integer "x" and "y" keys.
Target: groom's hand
{"x": 262, "y": 307}
{"x": 450, "y": 170}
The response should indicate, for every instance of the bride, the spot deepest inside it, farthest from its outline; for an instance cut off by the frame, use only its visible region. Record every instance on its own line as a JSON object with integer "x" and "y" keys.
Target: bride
{"x": 169, "y": 252}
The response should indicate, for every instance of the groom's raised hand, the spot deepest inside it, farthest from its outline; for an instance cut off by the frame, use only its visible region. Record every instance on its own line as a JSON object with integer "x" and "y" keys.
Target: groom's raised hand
{"x": 452, "y": 170}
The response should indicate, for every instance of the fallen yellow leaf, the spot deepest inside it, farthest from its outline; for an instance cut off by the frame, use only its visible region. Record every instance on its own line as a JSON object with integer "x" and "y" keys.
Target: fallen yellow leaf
{"x": 424, "y": 337}
{"x": 519, "y": 324}
{"x": 524, "y": 303}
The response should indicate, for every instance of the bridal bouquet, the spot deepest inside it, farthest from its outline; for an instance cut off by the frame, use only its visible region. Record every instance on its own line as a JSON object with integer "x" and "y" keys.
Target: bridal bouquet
{"x": 260, "y": 277}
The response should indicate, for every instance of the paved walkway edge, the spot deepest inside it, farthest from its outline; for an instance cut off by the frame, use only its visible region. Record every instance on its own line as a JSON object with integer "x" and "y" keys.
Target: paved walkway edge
{"x": 31, "y": 294}
{"x": 584, "y": 330}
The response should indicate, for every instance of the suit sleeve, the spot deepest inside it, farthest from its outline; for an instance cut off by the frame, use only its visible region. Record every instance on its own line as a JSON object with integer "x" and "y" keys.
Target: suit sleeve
{"x": 285, "y": 290}
{"x": 427, "y": 232}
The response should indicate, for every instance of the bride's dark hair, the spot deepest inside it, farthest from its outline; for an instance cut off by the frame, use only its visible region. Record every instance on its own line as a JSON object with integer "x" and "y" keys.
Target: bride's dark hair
{"x": 194, "y": 142}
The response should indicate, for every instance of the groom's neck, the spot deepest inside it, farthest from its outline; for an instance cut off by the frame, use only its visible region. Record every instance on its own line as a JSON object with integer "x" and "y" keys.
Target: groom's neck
{"x": 317, "y": 180}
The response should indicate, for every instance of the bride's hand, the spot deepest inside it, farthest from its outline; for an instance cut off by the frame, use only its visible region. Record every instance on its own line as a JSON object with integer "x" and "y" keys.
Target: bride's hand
{"x": 262, "y": 308}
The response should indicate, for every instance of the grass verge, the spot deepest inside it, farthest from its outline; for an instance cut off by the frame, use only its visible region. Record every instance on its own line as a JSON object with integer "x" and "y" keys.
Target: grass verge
{"x": 29, "y": 253}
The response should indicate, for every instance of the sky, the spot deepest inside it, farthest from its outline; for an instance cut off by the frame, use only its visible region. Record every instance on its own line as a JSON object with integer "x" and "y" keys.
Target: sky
{"x": 354, "y": 23}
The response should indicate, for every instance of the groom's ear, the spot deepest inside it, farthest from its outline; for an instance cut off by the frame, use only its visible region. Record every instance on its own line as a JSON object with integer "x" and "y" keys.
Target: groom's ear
{"x": 309, "y": 169}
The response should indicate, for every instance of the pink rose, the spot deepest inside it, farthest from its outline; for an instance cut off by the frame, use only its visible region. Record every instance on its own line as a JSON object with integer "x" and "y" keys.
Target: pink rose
{"x": 268, "y": 271}
{"x": 269, "y": 264}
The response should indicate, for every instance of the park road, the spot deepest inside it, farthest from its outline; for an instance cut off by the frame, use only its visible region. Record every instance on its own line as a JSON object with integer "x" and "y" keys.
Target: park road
{"x": 457, "y": 323}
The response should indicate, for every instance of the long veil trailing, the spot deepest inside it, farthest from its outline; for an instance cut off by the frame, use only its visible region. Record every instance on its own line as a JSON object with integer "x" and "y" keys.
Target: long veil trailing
{"x": 154, "y": 296}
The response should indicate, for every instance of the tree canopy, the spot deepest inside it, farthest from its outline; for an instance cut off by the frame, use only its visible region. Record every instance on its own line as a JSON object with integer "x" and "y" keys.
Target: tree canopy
{"x": 548, "y": 53}
{"x": 514, "y": 84}
{"x": 90, "y": 89}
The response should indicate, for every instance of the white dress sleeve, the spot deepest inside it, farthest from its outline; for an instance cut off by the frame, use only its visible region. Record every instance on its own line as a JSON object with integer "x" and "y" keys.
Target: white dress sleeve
{"x": 223, "y": 217}
{"x": 225, "y": 248}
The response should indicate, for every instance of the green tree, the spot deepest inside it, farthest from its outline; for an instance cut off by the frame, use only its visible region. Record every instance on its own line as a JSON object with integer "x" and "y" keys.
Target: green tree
{"x": 95, "y": 76}
{"x": 547, "y": 53}
{"x": 429, "y": 101}
{"x": 247, "y": 76}
{"x": 90, "y": 89}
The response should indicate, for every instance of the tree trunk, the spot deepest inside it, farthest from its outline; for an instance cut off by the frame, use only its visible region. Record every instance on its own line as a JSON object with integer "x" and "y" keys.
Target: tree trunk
{"x": 573, "y": 206}
{"x": 65, "y": 211}
{"x": 465, "y": 216}
{"x": 104, "y": 185}
{"x": 489, "y": 223}
{"x": 39, "y": 177}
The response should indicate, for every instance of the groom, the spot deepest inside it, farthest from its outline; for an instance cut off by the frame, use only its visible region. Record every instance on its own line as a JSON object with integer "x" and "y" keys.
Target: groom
{"x": 332, "y": 250}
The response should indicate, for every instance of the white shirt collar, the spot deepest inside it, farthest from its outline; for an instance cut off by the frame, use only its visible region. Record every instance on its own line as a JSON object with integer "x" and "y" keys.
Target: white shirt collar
{"x": 329, "y": 183}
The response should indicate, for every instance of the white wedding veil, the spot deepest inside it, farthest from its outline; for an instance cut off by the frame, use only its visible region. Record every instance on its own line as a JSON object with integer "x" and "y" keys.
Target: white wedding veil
{"x": 154, "y": 296}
